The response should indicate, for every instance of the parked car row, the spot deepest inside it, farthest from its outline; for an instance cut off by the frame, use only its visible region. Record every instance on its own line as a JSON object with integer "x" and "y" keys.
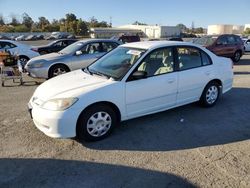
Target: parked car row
{"x": 53, "y": 36}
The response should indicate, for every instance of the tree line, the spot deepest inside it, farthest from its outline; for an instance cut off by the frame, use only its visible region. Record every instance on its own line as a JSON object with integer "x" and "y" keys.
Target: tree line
{"x": 70, "y": 23}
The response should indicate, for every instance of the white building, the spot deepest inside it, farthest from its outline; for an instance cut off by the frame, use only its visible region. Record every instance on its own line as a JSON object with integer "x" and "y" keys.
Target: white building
{"x": 110, "y": 32}
{"x": 224, "y": 29}
{"x": 155, "y": 31}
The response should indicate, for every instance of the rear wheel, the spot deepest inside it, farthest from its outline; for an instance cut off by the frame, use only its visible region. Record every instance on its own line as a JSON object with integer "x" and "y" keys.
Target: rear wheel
{"x": 23, "y": 60}
{"x": 96, "y": 122}
{"x": 58, "y": 70}
{"x": 237, "y": 56}
{"x": 210, "y": 94}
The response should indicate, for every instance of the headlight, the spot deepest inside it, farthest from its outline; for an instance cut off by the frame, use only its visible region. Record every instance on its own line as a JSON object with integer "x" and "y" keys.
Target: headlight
{"x": 59, "y": 104}
{"x": 36, "y": 65}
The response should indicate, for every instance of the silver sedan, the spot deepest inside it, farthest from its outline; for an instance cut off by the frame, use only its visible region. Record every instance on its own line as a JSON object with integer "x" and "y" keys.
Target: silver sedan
{"x": 76, "y": 56}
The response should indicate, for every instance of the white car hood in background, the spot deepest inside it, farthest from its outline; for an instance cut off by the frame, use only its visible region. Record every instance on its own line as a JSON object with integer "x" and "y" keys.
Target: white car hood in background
{"x": 66, "y": 83}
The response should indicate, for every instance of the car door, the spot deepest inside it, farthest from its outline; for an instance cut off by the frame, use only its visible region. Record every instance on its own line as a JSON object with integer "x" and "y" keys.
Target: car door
{"x": 88, "y": 54}
{"x": 221, "y": 46}
{"x": 231, "y": 46}
{"x": 195, "y": 71}
{"x": 158, "y": 90}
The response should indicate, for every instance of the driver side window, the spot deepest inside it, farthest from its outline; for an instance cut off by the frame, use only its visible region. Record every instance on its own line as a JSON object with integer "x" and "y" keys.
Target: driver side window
{"x": 92, "y": 48}
{"x": 160, "y": 61}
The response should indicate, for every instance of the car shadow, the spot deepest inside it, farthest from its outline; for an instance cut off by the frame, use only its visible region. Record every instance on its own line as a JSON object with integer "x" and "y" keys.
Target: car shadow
{"x": 241, "y": 73}
{"x": 243, "y": 61}
{"x": 186, "y": 127}
{"x": 69, "y": 173}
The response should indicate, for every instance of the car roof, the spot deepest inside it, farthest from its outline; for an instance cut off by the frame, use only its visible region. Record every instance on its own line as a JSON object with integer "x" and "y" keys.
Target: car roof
{"x": 157, "y": 44}
{"x": 98, "y": 40}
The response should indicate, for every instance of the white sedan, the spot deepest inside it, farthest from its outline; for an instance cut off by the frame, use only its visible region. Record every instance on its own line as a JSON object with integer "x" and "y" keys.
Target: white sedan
{"x": 25, "y": 52}
{"x": 133, "y": 80}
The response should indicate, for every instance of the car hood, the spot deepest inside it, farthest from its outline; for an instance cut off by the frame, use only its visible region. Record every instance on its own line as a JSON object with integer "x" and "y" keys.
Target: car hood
{"x": 69, "y": 84}
{"x": 50, "y": 57}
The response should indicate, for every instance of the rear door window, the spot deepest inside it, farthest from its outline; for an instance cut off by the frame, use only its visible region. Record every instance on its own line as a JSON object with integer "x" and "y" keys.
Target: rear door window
{"x": 92, "y": 48}
{"x": 231, "y": 40}
{"x": 222, "y": 40}
{"x": 189, "y": 58}
{"x": 108, "y": 46}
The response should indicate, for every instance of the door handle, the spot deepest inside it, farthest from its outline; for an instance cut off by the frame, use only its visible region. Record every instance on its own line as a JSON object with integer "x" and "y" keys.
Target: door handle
{"x": 170, "y": 81}
{"x": 207, "y": 73}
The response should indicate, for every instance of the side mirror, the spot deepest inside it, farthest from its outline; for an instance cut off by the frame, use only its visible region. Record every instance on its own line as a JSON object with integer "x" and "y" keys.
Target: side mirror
{"x": 139, "y": 75}
{"x": 79, "y": 52}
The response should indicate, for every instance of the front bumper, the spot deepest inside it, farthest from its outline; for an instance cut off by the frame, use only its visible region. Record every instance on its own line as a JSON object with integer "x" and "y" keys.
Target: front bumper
{"x": 56, "y": 124}
{"x": 37, "y": 72}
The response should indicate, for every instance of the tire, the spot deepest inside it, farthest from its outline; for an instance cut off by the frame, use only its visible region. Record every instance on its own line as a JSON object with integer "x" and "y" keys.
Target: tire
{"x": 57, "y": 70}
{"x": 23, "y": 60}
{"x": 210, "y": 94}
{"x": 237, "y": 56}
{"x": 96, "y": 123}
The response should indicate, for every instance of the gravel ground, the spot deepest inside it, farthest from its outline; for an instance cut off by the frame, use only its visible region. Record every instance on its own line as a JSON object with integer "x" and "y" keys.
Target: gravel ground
{"x": 188, "y": 146}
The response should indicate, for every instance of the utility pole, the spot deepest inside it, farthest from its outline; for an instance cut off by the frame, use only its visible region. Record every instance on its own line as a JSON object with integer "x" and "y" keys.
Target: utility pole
{"x": 192, "y": 27}
{"x": 110, "y": 21}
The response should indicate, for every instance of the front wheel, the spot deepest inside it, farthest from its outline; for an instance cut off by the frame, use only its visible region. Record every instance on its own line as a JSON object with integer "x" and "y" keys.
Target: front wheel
{"x": 23, "y": 61}
{"x": 57, "y": 70}
{"x": 210, "y": 95}
{"x": 96, "y": 123}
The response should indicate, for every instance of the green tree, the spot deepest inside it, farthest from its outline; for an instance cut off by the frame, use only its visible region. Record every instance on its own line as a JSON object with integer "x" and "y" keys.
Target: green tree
{"x": 7, "y": 29}
{"x": 247, "y": 31}
{"x": 199, "y": 30}
{"x": 27, "y": 21}
{"x": 42, "y": 23}
{"x": 182, "y": 27}
{"x": 93, "y": 22}
{"x": 82, "y": 28}
{"x": 70, "y": 17}
{"x": 21, "y": 28}
{"x": 139, "y": 23}
{"x": 14, "y": 21}
{"x": 2, "y": 20}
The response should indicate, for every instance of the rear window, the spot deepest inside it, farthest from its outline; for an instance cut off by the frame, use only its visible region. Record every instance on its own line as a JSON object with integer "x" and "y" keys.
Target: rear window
{"x": 238, "y": 40}
{"x": 205, "y": 41}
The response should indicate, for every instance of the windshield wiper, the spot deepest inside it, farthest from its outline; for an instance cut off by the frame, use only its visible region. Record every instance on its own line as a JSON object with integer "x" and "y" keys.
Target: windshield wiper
{"x": 100, "y": 74}
{"x": 86, "y": 69}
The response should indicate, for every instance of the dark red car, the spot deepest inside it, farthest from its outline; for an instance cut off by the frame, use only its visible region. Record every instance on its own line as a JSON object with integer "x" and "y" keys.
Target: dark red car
{"x": 227, "y": 45}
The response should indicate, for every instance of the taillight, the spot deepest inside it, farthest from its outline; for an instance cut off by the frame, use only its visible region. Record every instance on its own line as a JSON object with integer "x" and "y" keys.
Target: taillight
{"x": 34, "y": 49}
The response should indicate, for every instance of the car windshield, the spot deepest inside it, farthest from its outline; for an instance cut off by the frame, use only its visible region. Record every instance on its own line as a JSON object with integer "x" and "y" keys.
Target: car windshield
{"x": 72, "y": 48}
{"x": 116, "y": 63}
{"x": 204, "y": 41}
